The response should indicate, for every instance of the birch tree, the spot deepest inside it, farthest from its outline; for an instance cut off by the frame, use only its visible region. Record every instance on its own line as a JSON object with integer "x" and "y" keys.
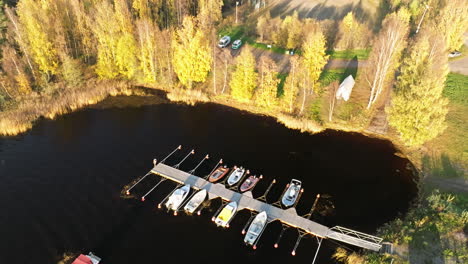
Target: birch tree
{"x": 266, "y": 94}
{"x": 386, "y": 52}
{"x": 291, "y": 86}
{"x": 244, "y": 77}
{"x": 313, "y": 60}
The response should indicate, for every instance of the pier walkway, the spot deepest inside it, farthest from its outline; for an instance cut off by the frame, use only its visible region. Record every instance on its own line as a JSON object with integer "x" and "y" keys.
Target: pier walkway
{"x": 288, "y": 217}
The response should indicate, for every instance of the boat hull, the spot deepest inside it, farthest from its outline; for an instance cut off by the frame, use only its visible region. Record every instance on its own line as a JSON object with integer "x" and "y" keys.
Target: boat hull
{"x": 249, "y": 183}
{"x": 256, "y": 229}
{"x": 226, "y": 215}
{"x": 177, "y": 198}
{"x": 195, "y": 202}
{"x": 218, "y": 174}
{"x": 235, "y": 176}
{"x": 290, "y": 196}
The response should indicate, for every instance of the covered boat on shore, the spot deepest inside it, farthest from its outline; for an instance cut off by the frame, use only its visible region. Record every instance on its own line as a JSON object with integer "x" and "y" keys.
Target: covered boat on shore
{"x": 236, "y": 175}
{"x": 177, "y": 198}
{"x": 256, "y": 228}
{"x": 218, "y": 174}
{"x": 226, "y": 215}
{"x": 195, "y": 201}
{"x": 249, "y": 183}
{"x": 290, "y": 195}
{"x": 87, "y": 259}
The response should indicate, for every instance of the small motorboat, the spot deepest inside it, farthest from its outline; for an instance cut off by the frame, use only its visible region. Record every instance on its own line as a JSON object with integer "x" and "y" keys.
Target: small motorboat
{"x": 195, "y": 202}
{"x": 249, "y": 183}
{"x": 226, "y": 215}
{"x": 87, "y": 259}
{"x": 177, "y": 198}
{"x": 290, "y": 196}
{"x": 235, "y": 176}
{"x": 218, "y": 174}
{"x": 256, "y": 228}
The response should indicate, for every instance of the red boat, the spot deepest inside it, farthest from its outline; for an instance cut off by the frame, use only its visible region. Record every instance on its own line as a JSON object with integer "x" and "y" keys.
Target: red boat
{"x": 248, "y": 184}
{"x": 218, "y": 174}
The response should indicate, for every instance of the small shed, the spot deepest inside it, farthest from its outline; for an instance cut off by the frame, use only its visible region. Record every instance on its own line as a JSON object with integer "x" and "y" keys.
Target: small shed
{"x": 345, "y": 89}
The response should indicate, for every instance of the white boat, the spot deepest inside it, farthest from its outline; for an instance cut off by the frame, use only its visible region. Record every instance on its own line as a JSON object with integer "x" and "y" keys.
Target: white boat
{"x": 256, "y": 228}
{"x": 177, "y": 198}
{"x": 226, "y": 215}
{"x": 290, "y": 196}
{"x": 195, "y": 202}
{"x": 235, "y": 176}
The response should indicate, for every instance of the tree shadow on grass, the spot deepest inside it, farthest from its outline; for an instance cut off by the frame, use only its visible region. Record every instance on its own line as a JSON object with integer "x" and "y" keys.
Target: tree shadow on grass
{"x": 351, "y": 68}
{"x": 440, "y": 165}
{"x": 426, "y": 246}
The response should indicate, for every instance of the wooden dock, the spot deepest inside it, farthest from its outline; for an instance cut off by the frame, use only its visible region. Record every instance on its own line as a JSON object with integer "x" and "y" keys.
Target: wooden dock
{"x": 288, "y": 217}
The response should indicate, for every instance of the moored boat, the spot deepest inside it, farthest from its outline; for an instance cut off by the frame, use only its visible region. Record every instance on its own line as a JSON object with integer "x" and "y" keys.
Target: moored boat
{"x": 195, "y": 202}
{"x": 87, "y": 259}
{"x": 235, "y": 176}
{"x": 218, "y": 174}
{"x": 177, "y": 198}
{"x": 226, "y": 215}
{"x": 290, "y": 195}
{"x": 249, "y": 183}
{"x": 256, "y": 228}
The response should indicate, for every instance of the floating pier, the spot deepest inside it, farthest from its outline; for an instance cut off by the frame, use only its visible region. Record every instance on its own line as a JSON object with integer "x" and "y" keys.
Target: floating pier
{"x": 288, "y": 217}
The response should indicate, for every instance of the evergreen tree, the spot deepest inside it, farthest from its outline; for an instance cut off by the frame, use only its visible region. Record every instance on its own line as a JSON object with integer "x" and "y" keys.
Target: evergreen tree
{"x": 267, "y": 83}
{"x": 192, "y": 54}
{"x": 244, "y": 77}
{"x": 418, "y": 108}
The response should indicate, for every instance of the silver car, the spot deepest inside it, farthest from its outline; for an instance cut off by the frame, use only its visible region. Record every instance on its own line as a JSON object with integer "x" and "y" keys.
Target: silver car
{"x": 224, "y": 41}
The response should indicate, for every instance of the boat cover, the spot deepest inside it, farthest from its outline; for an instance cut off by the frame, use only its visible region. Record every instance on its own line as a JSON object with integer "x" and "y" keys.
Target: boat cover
{"x": 82, "y": 259}
{"x": 344, "y": 91}
{"x": 225, "y": 214}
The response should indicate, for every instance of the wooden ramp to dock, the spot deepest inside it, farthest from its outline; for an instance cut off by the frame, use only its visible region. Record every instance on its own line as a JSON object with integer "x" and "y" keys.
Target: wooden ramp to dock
{"x": 288, "y": 216}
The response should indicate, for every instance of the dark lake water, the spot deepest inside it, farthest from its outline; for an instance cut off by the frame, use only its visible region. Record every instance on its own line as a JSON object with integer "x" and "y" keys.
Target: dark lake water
{"x": 61, "y": 184}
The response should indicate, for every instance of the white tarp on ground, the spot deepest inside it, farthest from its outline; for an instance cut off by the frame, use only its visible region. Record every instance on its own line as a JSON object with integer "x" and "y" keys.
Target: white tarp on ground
{"x": 345, "y": 89}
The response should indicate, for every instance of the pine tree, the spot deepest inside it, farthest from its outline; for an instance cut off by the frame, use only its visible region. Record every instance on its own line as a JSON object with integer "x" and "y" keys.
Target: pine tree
{"x": 266, "y": 94}
{"x": 313, "y": 60}
{"x": 418, "y": 108}
{"x": 192, "y": 54}
{"x": 244, "y": 77}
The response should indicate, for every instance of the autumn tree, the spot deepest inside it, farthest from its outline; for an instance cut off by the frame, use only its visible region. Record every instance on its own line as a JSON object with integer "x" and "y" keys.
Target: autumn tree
{"x": 292, "y": 85}
{"x": 418, "y": 109}
{"x": 266, "y": 94}
{"x": 452, "y": 22}
{"x": 3, "y": 22}
{"x": 18, "y": 82}
{"x": 244, "y": 77}
{"x": 209, "y": 12}
{"x": 192, "y": 54}
{"x": 36, "y": 24}
{"x": 352, "y": 34}
{"x": 386, "y": 52}
{"x": 71, "y": 71}
{"x": 126, "y": 55}
{"x": 147, "y": 34}
{"x": 313, "y": 61}
{"x": 295, "y": 33}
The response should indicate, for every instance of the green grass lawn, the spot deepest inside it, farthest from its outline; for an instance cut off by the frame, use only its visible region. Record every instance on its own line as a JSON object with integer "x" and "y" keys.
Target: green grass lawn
{"x": 361, "y": 54}
{"x": 330, "y": 75}
{"x": 450, "y": 148}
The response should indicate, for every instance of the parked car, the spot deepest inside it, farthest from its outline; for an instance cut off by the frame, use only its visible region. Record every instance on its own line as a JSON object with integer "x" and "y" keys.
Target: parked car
{"x": 224, "y": 41}
{"x": 236, "y": 44}
{"x": 454, "y": 54}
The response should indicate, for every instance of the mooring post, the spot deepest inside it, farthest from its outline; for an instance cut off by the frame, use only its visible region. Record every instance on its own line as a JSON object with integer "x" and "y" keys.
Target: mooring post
{"x": 154, "y": 187}
{"x": 263, "y": 197}
{"x": 196, "y": 167}
{"x": 190, "y": 153}
{"x": 309, "y": 214}
{"x": 319, "y": 240}
{"x": 219, "y": 162}
{"x": 298, "y": 197}
{"x": 129, "y": 189}
{"x": 283, "y": 228}
{"x": 301, "y": 235}
{"x": 170, "y": 154}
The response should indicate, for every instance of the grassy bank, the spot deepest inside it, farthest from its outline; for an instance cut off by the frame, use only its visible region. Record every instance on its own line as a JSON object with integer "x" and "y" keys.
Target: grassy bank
{"x": 20, "y": 117}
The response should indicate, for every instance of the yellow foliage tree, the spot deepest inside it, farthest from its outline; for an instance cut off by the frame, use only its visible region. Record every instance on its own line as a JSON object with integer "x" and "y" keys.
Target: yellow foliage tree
{"x": 291, "y": 86}
{"x": 147, "y": 34}
{"x": 313, "y": 60}
{"x": 34, "y": 19}
{"x": 244, "y": 77}
{"x": 266, "y": 94}
{"x": 418, "y": 107}
{"x": 192, "y": 54}
{"x": 452, "y": 23}
{"x": 126, "y": 55}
